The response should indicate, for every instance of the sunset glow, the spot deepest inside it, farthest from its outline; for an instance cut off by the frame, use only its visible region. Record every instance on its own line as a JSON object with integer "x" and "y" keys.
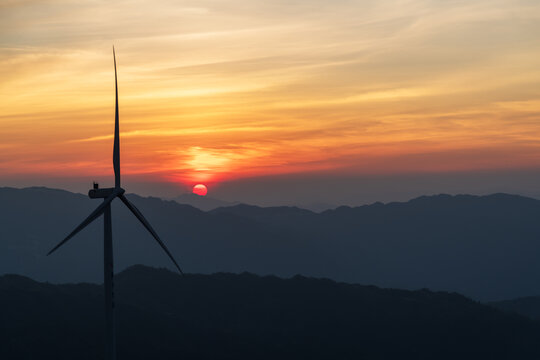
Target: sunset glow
{"x": 215, "y": 91}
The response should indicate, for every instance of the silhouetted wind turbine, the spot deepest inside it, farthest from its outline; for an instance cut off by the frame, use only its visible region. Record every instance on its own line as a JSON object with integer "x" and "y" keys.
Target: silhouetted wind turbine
{"x": 109, "y": 195}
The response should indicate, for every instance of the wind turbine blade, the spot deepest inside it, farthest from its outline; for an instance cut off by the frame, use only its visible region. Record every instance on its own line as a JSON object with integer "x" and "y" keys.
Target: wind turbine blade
{"x": 148, "y": 227}
{"x": 116, "y": 149}
{"x": 93, "y": 216}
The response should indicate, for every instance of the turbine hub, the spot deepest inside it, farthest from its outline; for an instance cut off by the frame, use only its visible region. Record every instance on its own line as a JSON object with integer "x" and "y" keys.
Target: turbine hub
{"x": 97, "y": 193}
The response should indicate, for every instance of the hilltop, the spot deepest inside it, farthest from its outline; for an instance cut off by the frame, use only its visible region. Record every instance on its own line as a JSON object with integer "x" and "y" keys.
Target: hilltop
{"x": 162, "y": 315}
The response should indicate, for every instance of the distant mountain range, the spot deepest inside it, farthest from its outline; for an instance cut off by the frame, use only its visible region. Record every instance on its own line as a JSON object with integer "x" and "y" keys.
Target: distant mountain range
{"x": 485, "y": 247}
{"x": 162, "y": 315}
{"x": 204, "y": 203}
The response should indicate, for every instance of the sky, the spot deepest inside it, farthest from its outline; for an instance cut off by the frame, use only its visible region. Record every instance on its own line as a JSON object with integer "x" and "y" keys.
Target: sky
{"x": 308, "y": 101}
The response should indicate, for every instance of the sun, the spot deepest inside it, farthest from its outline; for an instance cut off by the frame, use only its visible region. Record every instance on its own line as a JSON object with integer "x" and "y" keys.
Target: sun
{"x": 200, "y": 189}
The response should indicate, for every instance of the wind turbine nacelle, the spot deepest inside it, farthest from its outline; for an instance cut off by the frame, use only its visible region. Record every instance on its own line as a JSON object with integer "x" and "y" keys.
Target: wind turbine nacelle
{"x": 97, "y": 193}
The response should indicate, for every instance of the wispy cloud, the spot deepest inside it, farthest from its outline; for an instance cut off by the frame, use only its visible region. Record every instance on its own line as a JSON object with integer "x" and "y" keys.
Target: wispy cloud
{"x": 177, "y": 132}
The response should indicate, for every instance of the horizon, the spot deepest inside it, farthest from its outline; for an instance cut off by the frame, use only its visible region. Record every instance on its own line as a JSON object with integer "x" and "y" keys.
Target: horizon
{"x": 208, "y": 203}
{"x": 305, "y": 191}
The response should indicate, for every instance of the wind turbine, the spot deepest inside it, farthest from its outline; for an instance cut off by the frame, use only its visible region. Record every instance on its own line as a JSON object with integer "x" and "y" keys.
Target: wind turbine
{"x": 108, "y": 195}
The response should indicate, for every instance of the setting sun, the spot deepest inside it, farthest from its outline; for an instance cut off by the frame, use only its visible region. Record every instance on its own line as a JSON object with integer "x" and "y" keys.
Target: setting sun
{"x": 200, "y": 189}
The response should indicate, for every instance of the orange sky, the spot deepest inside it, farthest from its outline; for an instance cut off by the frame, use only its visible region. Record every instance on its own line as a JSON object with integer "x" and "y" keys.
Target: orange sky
{"x": 218, "y": 90}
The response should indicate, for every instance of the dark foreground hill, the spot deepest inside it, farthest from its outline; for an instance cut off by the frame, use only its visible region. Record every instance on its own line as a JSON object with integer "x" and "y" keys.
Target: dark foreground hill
{"x": 482, "y": 246}
{"x": 162, "y": 315}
